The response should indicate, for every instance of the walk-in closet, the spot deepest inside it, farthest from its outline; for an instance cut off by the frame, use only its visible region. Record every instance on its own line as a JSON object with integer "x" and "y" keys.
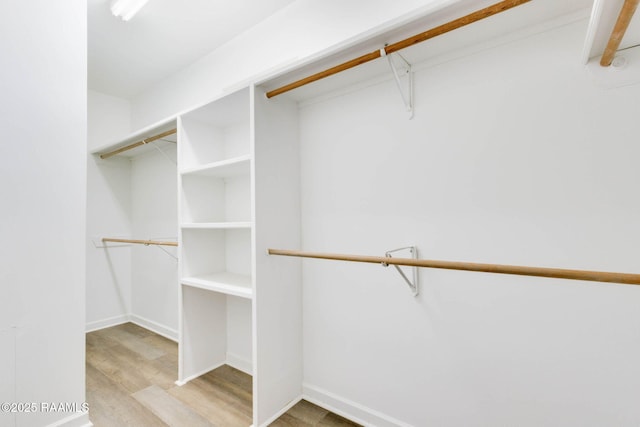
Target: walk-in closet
{"x": 298, "y": 213}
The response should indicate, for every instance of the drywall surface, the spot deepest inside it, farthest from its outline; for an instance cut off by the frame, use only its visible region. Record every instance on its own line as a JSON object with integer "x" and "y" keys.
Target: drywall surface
{"x": 154, "y": 215}
{"x": 43, "y": 182}
{"x": 109, "y": 119}
{"x": 514, "y": 157}
{"x": 108, "y": 215}
{"x": 301, "y": 30}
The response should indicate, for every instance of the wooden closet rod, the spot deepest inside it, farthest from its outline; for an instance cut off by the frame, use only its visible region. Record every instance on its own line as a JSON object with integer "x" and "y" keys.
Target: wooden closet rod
{"x": 141, "y": 242}
{"x": 139, "y": 143}
{"x": 418, "y": 38}
{"x": 594, "y": 276}
{"x": 626, "y": 13}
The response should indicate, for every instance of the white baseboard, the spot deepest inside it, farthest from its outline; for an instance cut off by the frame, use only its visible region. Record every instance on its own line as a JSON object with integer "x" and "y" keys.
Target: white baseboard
{"x": 351, "y": 410}
{"x": 75, "y": 420}
{"x": 194, "y": 376}
{"x": 240, "y": 363}
{"x": 281, "y": 412}
{"x": 156, "y": 327}
{"x": 106, "y": 323}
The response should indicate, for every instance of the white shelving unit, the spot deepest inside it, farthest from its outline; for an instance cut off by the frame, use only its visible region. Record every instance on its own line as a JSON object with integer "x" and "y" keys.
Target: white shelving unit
{"x": 216, "y": 228}
{"x": 238, "y": 185}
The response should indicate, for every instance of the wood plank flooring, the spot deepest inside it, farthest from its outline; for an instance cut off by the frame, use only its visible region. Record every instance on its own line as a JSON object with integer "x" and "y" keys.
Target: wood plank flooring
{"x": 130, "y": 382}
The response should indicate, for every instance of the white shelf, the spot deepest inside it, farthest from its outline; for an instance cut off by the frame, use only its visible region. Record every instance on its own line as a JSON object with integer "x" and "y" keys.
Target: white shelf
{"x": 154, "y": 129}
{"x": 236, "y": 166}
{"x": 227, "y": 283}
{"x": 217, "y": 225}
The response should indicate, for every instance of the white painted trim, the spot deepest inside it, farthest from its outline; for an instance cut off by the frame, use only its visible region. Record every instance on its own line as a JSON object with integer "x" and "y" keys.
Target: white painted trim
{"x": 156, "y": 327}
{"x": 75, "y": 420}
{"x": 240, "y": 363}
{"x": 349, "y": 409}
{"x": 194, "y": 376}
{"x": 106, "y": 323}
{"x": 282, "y": 411}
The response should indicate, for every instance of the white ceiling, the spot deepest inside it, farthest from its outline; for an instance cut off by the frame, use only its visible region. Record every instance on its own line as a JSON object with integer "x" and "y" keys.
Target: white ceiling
{"x": 125, "y": 58}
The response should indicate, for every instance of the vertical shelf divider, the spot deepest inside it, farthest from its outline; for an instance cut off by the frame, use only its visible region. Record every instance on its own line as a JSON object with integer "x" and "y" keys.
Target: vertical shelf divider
{"x": 277, "y": 313}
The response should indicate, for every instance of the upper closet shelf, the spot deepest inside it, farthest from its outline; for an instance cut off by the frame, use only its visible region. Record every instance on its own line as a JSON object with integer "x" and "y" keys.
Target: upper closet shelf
{"x": 157, "y": 135}
{"x": 236, "y": 166}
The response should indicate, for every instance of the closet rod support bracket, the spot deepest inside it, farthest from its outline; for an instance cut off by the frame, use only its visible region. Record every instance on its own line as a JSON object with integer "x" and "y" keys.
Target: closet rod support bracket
{"x": 402, "y": 72}
{"x": 413, "y": 282}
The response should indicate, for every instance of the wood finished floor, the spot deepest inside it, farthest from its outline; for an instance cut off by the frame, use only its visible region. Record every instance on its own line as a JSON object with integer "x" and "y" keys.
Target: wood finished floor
{"x": 130, "y": 382}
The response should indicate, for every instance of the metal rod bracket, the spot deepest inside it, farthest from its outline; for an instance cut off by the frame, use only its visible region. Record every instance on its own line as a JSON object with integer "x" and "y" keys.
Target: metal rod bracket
{"x": 413, "y": 284}
{"x": 402, "y": 72}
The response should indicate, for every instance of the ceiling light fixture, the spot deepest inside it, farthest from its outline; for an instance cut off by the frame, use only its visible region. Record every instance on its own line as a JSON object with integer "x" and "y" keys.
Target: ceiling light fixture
{"x": 125, "y": 9}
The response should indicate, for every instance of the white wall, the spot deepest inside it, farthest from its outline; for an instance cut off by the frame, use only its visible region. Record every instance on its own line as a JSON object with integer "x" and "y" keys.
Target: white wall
{"x": 108, "y": 214}
{"x": 108, "y": 118}
{"x": 42, "y": 182}
{"x": 134, "y": 197}
{"x": 301, "y": 30}
{"x": 154, "y": 215}
{"x": 514, "y": 157}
